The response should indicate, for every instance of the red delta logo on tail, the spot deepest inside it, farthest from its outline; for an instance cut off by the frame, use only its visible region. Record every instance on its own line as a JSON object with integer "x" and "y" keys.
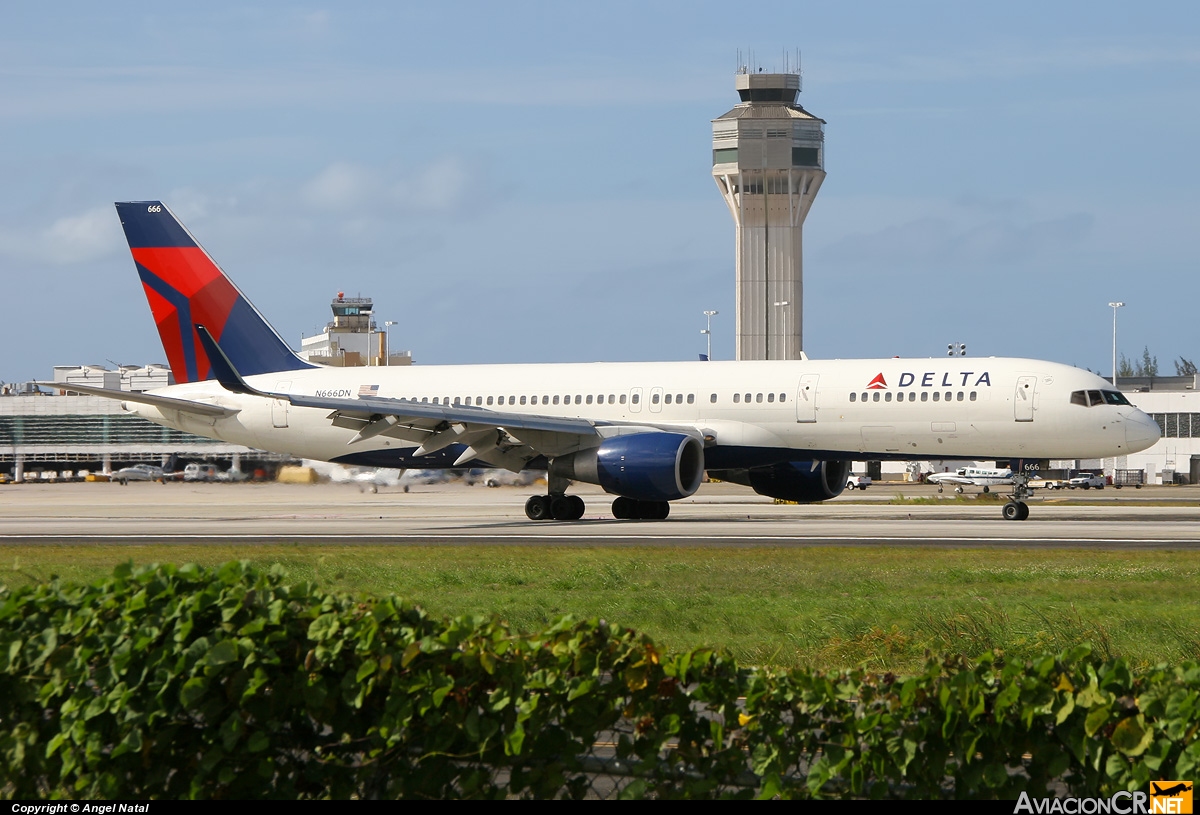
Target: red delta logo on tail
{"x": 878, "y": 383}
{"x": 185, "y": 288}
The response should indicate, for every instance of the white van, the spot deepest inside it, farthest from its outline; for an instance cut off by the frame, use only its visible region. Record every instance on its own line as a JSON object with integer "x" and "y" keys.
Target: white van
{"x": 200, "y": 472}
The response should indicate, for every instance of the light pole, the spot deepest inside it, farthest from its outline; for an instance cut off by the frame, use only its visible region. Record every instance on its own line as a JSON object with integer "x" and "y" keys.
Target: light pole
{"x": 783, "y": 304}
{"x": 387, "y": 335}
{"x": 1114, "y": 307}
{"x": 369, "y": 317}
{"x": 708, "y": 332}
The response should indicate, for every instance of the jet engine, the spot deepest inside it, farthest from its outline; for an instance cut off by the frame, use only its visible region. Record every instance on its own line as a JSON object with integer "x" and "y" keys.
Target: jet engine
{"x": 805, "y": 482}
{"x": 641, "y": 466}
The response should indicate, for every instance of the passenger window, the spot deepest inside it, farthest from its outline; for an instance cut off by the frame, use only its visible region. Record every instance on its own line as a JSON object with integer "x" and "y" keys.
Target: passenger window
{"x": 924, "y": 396}
{"x": 875, "y": 396}
{"x": 737, "y": 397}
{"x": 747, "y": 397}
{"x": 424, "y": 398}
{"x": 578, "y": 399}
{"x": 622, "y": 399}
{"x": 435, "y": 400}
{"x": 712, "y": 398}
{"x": 691, "y": 398}
{"x": 589, "y": 398}
{"x": 489, "y": 400}
{"x": 556, "y": 398}
{"x": 522, "y": 400}
{"x": 679, "y": 398}
{"x": 972, "y": 396}
{"x": 612, "y": 399}
{"x": 783, "y": 397}
{"x": 758, "y": 398}
{"x": 636, "y": 399}
{"x": 948, "y": 395}
{"x": 936, "y": 396}
{"x": 887, "y": 397}
{"x": 512, "y": 400}
{"x": 654, "y": 399}
{"x": 960, "y": 396}
{"x": 853, "y": 397}
{"x": 667, "y": 398}
{"x": 771, "y": 397}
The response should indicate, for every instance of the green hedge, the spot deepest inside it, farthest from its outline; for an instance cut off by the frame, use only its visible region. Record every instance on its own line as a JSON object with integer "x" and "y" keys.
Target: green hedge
{"x": 232, "y": 683}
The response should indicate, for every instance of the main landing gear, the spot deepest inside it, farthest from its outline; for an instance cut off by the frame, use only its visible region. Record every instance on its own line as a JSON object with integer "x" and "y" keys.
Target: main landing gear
{"x": 1016, "y": 509}
{"x": 557, "y": 507}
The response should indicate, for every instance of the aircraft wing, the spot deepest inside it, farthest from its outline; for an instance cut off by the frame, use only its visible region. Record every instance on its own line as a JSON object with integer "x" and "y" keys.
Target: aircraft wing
{"x": 948, "y": 478}
{"x": 503, "y": 439}
{"x": 163, "y": 402}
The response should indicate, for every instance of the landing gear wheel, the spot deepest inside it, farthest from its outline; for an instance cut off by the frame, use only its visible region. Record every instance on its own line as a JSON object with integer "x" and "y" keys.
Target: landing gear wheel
{"x": 566, "y": 507}
{"x": 939, "y": 489}
{"x": 624, "y": 509}
{"x": 1024, "y": 513}
{"x": 653, "y": 510}
{"x": 986, "y": 490}
{"x": 1012, "y": 511}
{"x": 958, "y": 490}
{"x": 537, "y": 508}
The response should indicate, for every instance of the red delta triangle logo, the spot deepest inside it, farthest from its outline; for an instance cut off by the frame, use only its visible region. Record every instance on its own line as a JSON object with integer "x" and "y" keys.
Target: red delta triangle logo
{"x": 878, "y": 383}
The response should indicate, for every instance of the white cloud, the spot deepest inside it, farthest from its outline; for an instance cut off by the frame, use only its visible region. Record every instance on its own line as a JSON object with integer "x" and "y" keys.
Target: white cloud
{"x": 68, "y": 240}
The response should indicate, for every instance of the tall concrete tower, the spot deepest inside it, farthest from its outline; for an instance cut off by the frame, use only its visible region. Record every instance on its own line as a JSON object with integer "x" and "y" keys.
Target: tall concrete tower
{"x": 768, "y": 162}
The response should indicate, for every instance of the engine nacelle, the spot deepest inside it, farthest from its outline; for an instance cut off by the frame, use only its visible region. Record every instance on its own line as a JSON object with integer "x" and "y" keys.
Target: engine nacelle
{"x": 641, "y": 466}
{"x": 805, "y": 482}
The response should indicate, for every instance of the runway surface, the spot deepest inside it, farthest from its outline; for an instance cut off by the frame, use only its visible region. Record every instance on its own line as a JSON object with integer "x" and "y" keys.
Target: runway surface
{"x": 720, "y": 515}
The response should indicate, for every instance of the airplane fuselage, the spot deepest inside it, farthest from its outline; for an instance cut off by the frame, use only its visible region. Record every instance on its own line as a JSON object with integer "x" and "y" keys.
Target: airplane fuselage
{"x": 748, "y": 413}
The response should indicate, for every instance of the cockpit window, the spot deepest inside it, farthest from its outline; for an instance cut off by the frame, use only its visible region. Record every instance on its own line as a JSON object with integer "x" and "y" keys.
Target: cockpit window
{"x": 1093, "y": 398}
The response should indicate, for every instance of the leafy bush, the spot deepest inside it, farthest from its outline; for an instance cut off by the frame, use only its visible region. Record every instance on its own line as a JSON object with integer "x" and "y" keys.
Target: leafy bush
{"x": 231, "y": 683}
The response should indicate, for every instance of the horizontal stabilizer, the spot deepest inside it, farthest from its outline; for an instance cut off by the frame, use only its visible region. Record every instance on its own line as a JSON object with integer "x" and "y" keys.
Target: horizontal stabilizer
{"x": 163, "y": 402}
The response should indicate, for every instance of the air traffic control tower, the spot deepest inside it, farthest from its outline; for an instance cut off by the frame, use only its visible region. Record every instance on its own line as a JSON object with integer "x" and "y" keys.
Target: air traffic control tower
{"x": 768, "y": 162}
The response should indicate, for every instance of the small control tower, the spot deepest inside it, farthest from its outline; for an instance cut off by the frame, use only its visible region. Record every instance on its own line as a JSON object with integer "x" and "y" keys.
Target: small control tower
{"x": 769, "y": 162}
{"x": 352, "y": 338}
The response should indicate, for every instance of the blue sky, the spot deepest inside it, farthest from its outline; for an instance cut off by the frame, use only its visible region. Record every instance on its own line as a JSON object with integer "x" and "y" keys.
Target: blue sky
{"x": 531, "y": 181}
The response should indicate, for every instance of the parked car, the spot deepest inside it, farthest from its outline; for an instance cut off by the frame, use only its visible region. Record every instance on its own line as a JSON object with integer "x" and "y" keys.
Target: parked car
{"x": 138, "y": 472}
{"x": 1048, "y": 483}
{"x": 200, "y": 472}
{"x": 1087, "y": 481}
{"x": 859, "y": 481}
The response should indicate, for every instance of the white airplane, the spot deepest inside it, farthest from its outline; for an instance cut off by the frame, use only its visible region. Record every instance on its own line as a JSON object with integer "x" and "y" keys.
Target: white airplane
{"x": 644, "y": 432}
{"x": 971, "y": 477}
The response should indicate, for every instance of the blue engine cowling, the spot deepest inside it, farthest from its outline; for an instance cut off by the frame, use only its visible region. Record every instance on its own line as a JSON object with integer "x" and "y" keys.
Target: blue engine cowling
{"x": 641, "y": 466}
{"x": 805, "y": 482}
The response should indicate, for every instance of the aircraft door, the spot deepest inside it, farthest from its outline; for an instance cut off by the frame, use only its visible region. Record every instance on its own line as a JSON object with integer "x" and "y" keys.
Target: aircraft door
{"x": 279, "y": 407}
{"x": 656, "y": 400}
{"x": 806, "y": 398}
{"x": 635, "y": 400}
{"x": 1023, "y": 398}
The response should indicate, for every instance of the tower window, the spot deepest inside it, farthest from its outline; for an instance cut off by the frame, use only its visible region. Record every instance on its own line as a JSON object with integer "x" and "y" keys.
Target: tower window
{"x": 725, "y": 156}
{"x": 805, "y": 157}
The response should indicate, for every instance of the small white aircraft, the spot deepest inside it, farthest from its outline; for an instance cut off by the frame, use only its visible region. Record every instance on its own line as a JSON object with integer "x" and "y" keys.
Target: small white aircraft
{"x": 971, "y": 477}
{"x": 645, "y": 432}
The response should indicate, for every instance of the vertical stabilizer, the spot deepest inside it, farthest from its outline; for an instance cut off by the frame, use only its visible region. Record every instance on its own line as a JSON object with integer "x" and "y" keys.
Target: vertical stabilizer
{"x": 185, "y": 287}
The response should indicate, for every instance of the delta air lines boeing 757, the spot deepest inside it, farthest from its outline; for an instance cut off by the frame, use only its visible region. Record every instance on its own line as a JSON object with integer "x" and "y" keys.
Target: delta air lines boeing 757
{"x": 644, "y": 431}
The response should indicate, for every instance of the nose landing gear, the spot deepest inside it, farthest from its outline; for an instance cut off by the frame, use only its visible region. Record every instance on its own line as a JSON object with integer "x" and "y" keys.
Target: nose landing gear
{"x": 1016, "y": 509}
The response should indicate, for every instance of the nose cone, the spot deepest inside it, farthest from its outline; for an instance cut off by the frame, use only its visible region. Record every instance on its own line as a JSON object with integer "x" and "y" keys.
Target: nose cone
{"x": 1140, "y": 432}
